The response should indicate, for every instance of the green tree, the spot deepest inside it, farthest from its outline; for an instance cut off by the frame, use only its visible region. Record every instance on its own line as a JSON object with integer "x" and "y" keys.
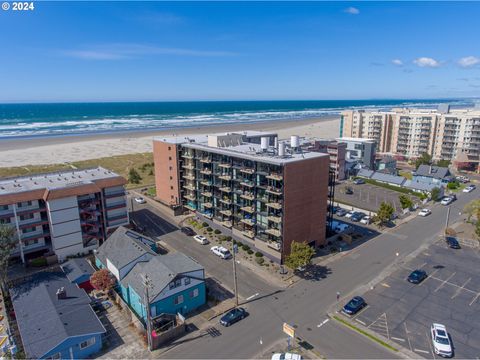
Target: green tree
{"x": 405, "y": 201}
{"x": 7, "y": 244}
{"x": 424, "y": 159}
{"x": 300, "y": 255}
{"x": 384, "y": 213}
{"x": 477, "y": 229}
{"x": 443, "y": 163}
{"x": 435, "y": 194}
{"x": 473, "y": 209}
{"x": 133, "y": 176}
{"x": 452, "y": 185}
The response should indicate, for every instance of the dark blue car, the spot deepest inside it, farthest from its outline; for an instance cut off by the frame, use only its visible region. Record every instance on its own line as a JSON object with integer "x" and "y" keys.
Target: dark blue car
{"x": 417, "y": 276}
{"x": 452, "y": 242}
{"x": 233, "y": 316}
{"x": 354, "y": 305}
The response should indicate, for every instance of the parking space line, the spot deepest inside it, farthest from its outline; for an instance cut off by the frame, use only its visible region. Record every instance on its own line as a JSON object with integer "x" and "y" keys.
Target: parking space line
{"x": 428, "y": 277}
{"x": 408, "y": 339}
{"x": 398, "y": 339}
{"x": 422, "y": 351}
{"x": 457, "y": 292}
{"x": 361, "y": 322}
{"x": 474, "y": 299}
{"x": 430, "y": 344}
{"x": 444, "y": 282}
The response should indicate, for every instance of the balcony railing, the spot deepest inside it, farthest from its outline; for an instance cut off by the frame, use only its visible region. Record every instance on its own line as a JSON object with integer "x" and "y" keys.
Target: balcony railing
{"x": 274, "y": 232}
{"x": 189, "y": 187}
{"x": 248, "y": 209}
{"x": 206, "y": 183}
{"x": 275, "y": 176}
{"x": 247, "y": 183}
{"x": 208, "y": 205}
{"x": 189, "y": 197}
{"x": 247, "y": 170}
{"x": 226, "y": 177}
{"x": 275, "y": 219}
{"x": 226, "y": 212}
{"x": 226, "y": 201}
{"x": 187, "y": 155}
{"x": 207, "y": 193}
{"x": 225, "y": 165}
{"x": 275, "y": 205}
{"x": 188, "y": 167}
{"x": 189, "y": 177}
{"x": 248, "y": 233}
{"x": 249, "y": 222}
{"x": 206, "y": 160}
{"x": 226, "y": 189}
{"x": 247, "y": 196}
{"x": 206, "y": 171}
{"x": 273, "y": 190}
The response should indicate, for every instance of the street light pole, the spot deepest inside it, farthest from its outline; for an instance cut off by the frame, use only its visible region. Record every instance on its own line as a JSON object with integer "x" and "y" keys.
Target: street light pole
{"x": 446, "y": 221}
{"x": 132, "y": 211}
{"x": 234, "y": 250}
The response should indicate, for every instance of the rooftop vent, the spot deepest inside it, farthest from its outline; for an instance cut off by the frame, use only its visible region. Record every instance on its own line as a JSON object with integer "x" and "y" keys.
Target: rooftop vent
{"x": 61, "y": 293}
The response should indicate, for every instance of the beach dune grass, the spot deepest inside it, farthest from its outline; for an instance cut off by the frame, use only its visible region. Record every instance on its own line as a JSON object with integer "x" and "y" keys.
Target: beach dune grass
{"x": 121, "y": 164}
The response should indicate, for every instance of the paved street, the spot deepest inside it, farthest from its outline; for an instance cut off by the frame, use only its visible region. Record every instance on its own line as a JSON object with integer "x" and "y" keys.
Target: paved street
{"x": 306, "y": 303}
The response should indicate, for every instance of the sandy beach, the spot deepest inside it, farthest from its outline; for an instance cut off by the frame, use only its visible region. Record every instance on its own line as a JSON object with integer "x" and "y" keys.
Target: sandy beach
{"x": 55, "y": 150}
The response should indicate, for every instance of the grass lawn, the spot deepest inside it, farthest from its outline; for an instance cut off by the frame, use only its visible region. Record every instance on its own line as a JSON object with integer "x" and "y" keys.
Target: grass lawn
{"x": 120, "y": 164}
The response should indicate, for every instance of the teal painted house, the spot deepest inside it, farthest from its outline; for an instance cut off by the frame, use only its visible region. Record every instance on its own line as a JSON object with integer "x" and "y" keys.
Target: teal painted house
{"x": 177, "y": 282}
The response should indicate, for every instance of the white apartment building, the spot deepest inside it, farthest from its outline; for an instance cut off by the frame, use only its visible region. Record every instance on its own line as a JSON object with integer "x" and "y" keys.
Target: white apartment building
{"x": 66, "y": 213}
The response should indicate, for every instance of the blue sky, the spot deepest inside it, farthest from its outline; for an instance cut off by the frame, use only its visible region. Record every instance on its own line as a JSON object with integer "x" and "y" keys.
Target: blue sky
{"x": 105, "y": 51}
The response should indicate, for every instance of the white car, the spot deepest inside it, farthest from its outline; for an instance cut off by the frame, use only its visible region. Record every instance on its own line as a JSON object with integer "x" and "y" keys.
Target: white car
{"x": 446, "y": 201}
{"x": 366, "y": 220}
{"x": 441, "y": 341}
{"x": 424, "y": 212}
{"x": 469, "y": 188}
{"x": 350, "y": 214}
{"x": 201, "y": 239}
{"x": 286, "y": 356}
{"x": 140, "y": 200}
{"x": 221, "y": 251}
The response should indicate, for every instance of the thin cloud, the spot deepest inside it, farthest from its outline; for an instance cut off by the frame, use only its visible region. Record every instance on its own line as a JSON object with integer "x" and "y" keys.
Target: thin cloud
{"x": 129, "y": 51}
{"x": 469, "y": 61}
{"x": 397, "y": 62}
{"x": 352, "y": 10}
{"x": 426, "y": 62}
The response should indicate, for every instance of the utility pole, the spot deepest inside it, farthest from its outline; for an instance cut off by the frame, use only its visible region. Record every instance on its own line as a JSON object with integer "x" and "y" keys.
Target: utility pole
{"x": 234, "y": 250}
{"x": 131, "y": 202}
{"x": 446, "y": 221}
{"x": 147, "y": 284}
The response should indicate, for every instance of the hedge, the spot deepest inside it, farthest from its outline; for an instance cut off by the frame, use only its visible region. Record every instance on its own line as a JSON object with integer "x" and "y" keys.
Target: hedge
{"x": 259, "y": 260}
{"x": 217, "y": 231}
{"x": 258, "y": 254}
{"x": 249, "y": 251}
{"x": 205, "y": 224}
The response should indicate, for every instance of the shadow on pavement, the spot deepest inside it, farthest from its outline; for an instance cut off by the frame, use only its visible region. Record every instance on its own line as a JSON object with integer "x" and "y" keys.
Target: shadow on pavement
{"x": 262, "y": 297}
{"x": 314, "y": 272}
{"x": 156, "y": 225}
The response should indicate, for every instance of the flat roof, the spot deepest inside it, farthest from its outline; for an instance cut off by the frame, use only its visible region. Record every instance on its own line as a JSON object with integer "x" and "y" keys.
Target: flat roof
{"x": 54, "y": 180}
{"x": 203, "y": 138}
{"x": 254, "y": 152}
{"x": 355, "y": 139}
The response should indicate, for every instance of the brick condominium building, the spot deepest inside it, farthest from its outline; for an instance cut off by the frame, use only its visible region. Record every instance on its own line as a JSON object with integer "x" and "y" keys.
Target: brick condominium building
{"x": 264, "y": 192}
{"x": 67, "y": 213}
{"x": 444, "y": 134}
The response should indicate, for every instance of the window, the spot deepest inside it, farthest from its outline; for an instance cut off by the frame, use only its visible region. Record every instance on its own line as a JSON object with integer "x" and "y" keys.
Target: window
{"x": 5, "y": 221}
{"x": 178, "y": 282}
{"x": 179, "y": 300}
{"x": 187, "y": 281}
{"x": 87, "y": 343}
{"x": 27, "y": 230}
{"x": 169, "y": 168}
{"x": 169, "y": 158}
{"x": 194, "y": 293}
{"x": 56, "y": 356}
{"x": 26, "y": 217}
{"x": 169, "y": 148}
{"x": 3, "y": 207}
{"x": 171, "y": 177}
{"x": 171, "y": 196}
{"x": 24, "y": 204}
{"x": 171, "y": 187}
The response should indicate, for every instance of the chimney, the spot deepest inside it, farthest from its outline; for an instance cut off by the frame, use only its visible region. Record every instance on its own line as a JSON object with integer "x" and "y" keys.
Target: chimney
{"x": 61, "y": 293}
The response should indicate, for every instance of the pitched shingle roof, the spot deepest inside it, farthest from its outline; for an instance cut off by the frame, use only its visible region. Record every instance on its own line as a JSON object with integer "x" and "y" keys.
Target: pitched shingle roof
{"x": 436, "y": 172}
{"x": 391, "y": 179}
{"x": 44, "y": 320}
{"x": 419, "y": 185}
{"x": 76, "y": 268}
{"x": 124, "y": 246}
{"x": 365, "y": 173}
{"x": 161, "y": 270}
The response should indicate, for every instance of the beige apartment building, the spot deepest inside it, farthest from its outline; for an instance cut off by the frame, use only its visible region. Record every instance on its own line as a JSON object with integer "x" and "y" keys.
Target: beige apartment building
{"x": 451, "y": 134}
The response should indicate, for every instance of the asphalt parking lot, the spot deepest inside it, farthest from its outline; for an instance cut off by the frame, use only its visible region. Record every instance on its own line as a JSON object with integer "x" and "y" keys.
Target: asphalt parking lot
{"x": 367, "y": 196}
{"x": 404, "y": 312}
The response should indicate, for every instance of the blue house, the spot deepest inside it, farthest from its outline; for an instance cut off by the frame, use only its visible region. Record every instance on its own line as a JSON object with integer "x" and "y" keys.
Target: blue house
{"x": 55, "y": 319}
{"x": 433, "y": 175}
{"x": 177, "y": 282}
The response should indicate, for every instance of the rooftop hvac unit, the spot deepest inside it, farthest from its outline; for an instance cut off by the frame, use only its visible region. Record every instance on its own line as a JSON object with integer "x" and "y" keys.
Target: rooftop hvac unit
{"x": 294, "y": 141}
{"x": 281, "y": 149}
{"x": 264, "y": 143}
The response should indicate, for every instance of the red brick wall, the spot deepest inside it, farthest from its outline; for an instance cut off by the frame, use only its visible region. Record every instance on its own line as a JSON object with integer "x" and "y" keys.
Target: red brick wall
{"x": 165, "y": 156}
{"x": 305, "y": 202}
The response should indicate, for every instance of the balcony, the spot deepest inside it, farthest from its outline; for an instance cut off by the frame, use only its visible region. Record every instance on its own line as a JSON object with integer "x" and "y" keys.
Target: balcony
{"x": 275, "y": 219}
{"x": 248, "y": 209}
{"x": 226, "y": 189}
{"x": 248, "y": 233}
{"x": 189, "y": 177}
{"x": 206, "y": 194}
{"x": 208, "y": 205}
{"x": 275, "y": 176}
{"x": 227, "y": 224}
{"x": 190, "y": 197}
{"x": 248, "y": 222}
{"x": 247, "y": 170}
{"x": 34, "y": 234}
{"x": 188, "y": 166}
{"x": 189, "y": 187}
{"x": 226, "y": 177}
{"x": 112, "y": 194}
{"x": 247, "y": 196}
{"x": 226, "y": 201}
{"x": 225, "y": 165}
{"x": 31, "y": 223}
{"x": 191, "y": 207}
{"x": 226, "y": 212}
{"x": 275, "y": 205}
{"x": 206, "y": 171}
{"x": 247, "y": 183}
{"x": 187, "y": 155}
{"x": 206, "y": 160}
{"x": 273, "y": 190}
{"x": 274, "y": 232}
{"x": 206, "y": 183}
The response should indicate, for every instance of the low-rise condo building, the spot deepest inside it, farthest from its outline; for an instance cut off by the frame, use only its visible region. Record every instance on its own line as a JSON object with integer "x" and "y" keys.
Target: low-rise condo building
{"x": 67, "y": 213}
{"x": 337, "y": 152}
{"x": 452, "y": 135}
{"x": 261, "y": 190}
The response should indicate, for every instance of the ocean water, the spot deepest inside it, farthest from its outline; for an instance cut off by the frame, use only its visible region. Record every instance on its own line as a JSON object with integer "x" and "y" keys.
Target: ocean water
{"x": 62, "y": 119}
